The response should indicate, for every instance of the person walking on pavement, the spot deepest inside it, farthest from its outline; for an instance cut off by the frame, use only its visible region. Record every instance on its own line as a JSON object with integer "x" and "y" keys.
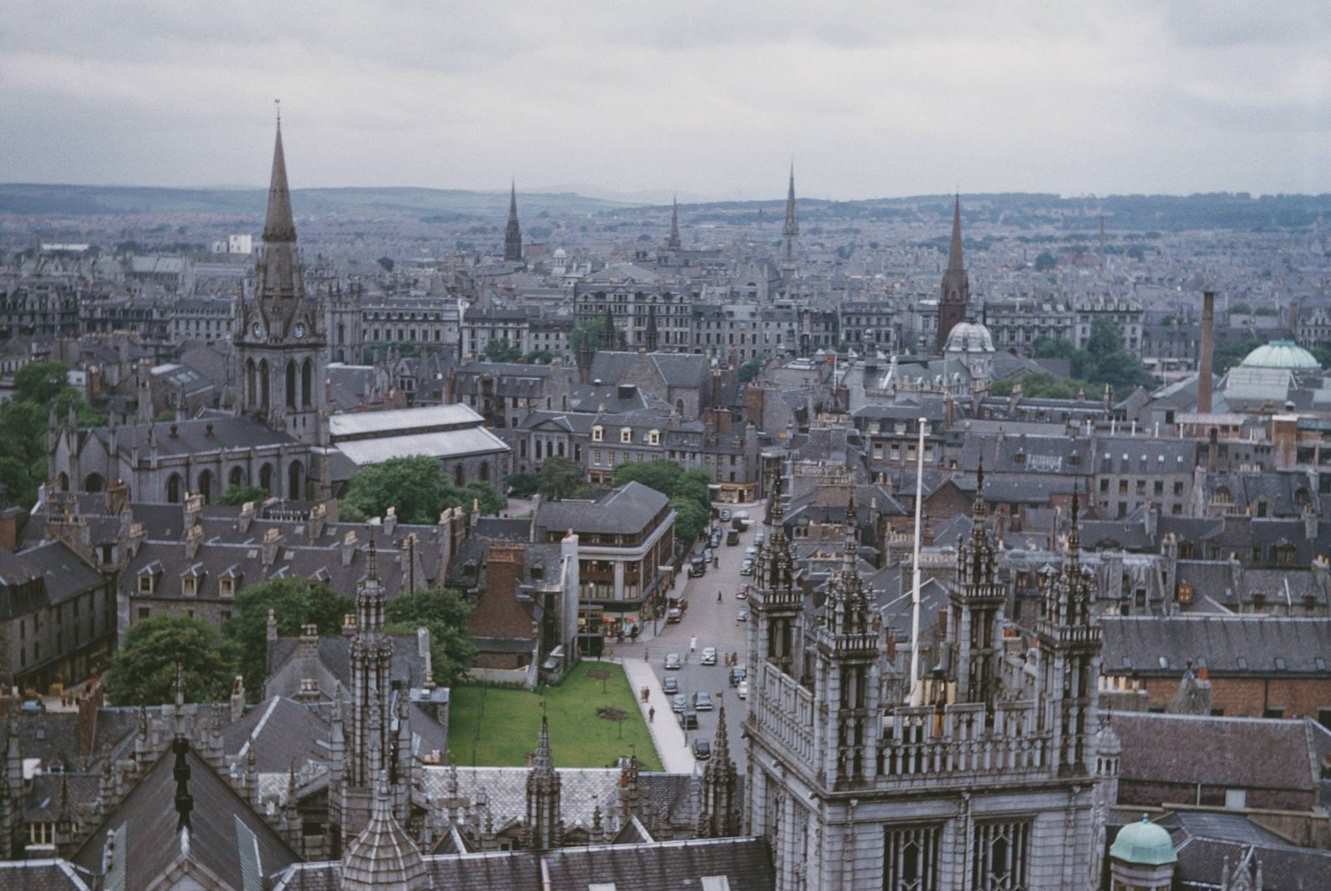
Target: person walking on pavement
{"x": 693, "y": 644}
{"x": 718, "y": 596}
{"x": 651, "y": 715}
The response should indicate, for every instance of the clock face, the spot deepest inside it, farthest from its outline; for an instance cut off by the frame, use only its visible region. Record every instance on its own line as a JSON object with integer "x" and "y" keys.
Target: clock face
{"x": 257, "y": 329}
{"x": 299, "y": 329}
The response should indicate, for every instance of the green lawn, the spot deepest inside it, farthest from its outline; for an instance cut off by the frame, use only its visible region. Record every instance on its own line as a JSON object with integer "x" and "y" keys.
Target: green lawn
{"x": 493, "y": 727}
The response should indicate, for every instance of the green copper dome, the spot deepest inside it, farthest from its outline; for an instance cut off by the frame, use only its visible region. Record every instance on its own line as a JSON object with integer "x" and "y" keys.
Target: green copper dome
{"x": 1280, "y": 354}
{"x": 1144, "y": 844}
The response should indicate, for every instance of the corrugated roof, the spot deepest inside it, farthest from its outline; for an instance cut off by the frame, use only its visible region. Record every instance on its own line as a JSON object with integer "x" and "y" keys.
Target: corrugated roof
{"x": 445, "y": 444}
{"x": 353, "y": 423}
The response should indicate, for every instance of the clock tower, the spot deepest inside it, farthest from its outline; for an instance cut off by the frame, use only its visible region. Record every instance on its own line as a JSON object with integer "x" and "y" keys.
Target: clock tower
{"x": 280, "y": 343}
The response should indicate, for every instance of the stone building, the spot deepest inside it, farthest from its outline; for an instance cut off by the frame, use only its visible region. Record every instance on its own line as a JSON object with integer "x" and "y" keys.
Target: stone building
{"x": 980, "y": 773}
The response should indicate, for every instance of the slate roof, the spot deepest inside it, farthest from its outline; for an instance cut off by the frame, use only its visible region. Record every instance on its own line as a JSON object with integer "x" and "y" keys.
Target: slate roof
{"x": 1227, "y": 752}
{"x": 746, "y": 864}
{"x": 1226, "y": 644}
{"x": 149, "y": 816}
{"x": 41, "y": 875}
{"x": 627, "y": 509}
{"x": 282, "y": 732}
{"x": 63, "y": 575}
{"x": 228, "y": 433}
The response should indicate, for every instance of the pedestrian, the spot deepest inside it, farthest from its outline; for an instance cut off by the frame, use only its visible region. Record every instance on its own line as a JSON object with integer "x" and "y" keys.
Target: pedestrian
{"x": 693, "y": 644}
{"x": 651, "y": 715}
{"x": 718, "y": 596}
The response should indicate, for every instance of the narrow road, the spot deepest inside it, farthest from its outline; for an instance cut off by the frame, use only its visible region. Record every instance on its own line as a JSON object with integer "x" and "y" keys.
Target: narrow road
{"x": 713, "y": 624}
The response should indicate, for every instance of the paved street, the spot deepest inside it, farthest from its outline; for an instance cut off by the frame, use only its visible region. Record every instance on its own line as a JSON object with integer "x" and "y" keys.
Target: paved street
{"x": 714, "y": 625}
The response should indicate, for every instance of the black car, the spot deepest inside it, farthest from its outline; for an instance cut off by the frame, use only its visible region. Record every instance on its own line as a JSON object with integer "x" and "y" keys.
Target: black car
{"x": 737, "y": 674}
{"x": 732, "y": 537}
{"x": 702, "y": 750}
{"x": 688, "y": 719}
{"x": 671, "y": 684}
{"x": 697, "y": 568}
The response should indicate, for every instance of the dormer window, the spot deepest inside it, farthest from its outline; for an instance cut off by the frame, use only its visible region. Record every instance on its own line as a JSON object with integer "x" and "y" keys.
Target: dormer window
{"x": 598, "y": 434}
{"x": 654, "y": 437}
{"x": 226, "y": 587}
{"x": 189, "y": 586}
{"x": 626, "y": 434}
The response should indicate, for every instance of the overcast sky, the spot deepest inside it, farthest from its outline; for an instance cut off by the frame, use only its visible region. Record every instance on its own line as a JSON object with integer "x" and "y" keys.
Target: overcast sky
{"x": 707, "y": 98}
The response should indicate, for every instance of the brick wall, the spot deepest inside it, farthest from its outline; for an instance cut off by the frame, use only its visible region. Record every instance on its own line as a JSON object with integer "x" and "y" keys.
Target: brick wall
{"x": 497, "y": 612}
{"x": 1249, "y": 697}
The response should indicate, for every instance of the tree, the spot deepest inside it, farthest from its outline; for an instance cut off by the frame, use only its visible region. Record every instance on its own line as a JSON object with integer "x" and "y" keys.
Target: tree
{"x": 386, "y": 263}
{"x": 40, "y": 388}
{"x": 1045, "y": 262}
{"x": 559, "y": 478}
{"x": 444, "y": 612}
{"x": 1229, "y": 354}
{"x": 687, "y": 489}
{"x": 40, "y": 382}
{"x": 749, "y": 370}
{"x": 143, "y": 671}
{"x": 690, "y": 518}
{"x": 522, "y": 485}
{"x": 500, "y": 350}
{"x": 295, "y": 603}
{"x": 417, "y": 487}
{"x": 538, "y": 357}
{"x": 586, "y": 334}
{"x": 237, "y": 495}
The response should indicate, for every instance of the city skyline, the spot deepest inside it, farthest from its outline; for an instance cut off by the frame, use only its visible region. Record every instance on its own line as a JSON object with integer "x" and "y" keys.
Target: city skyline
{"x": 711, "y": 103}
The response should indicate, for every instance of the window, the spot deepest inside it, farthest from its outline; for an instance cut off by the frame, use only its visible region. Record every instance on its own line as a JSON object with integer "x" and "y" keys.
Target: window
{"x": 1001, "y": 855}
{"x": 1236, "y": 798}
{"x": 1274, "y": 712}
{"x": 145, "y": 583}
{"x": 653, "y": 437}
{"x": 626, "y": 434}
{"x": 145, "y": 612}
{"x": 598, "y": 435}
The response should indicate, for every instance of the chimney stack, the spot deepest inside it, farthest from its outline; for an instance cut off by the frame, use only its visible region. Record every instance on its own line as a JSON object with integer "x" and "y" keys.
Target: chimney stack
{"x": 1207, "y": 347}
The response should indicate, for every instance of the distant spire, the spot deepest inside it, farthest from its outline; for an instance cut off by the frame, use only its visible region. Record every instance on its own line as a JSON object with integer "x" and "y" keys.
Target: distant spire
{"x": 978, "y": 509}
{"x": 279, "y": 225}
{"x": 673, "y": 242}
{"x": 954, "y": 258}
{"x": 1074, "y": 535}
{"x": 513, "y": 199}
{"x": 792, "y": 227}
{"x": 513, "y": 231}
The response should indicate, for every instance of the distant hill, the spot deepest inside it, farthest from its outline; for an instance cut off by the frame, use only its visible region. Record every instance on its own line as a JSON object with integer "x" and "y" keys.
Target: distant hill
{"x": 35, "y": 199}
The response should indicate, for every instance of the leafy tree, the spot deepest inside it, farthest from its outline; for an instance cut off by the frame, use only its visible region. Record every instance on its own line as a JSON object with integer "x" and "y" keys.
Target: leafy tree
{"x": 522, "y": 485}
{"x": 39, "y": 389}
{"x": 538, "y": 357}
{"x": 749, "y": 370}
{"x": 1045, "y": 262}
{"x": 295, "y": 603}
{"x": 143, "y": 671}
{"x": 40, "y": 382}
{"x": 1322, "y": 353}
{"x": 1227, "y": 355}
{"x": 444, "y": 612}
{"x": 500, "y": 350}
{"x": 237, "y": 495}
{"x": 682, "y": 487}
{"x": 559, "y": 478}
{"x": 690, "y": 518}
{"x": 417, "y": 487}
{"x": 386, "y": 263}
{"x": 586, "y": 333}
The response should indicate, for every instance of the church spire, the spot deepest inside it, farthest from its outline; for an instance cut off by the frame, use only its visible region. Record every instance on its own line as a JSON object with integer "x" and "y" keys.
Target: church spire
{"x": 513, "y": 232}
{"x": 955, "y": 261}
{"x": 719, "y": 815}
{"x": 673, "y": 242}
{"x": 792, "y": 227}
{"x": 279, "y": 224}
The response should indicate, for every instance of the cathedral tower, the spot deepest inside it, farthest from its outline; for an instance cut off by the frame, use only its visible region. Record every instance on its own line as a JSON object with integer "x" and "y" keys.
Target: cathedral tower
{"x": 972, "y": 627}
{"x": 790, "y": 231}
{"x": 280, "y": 340}
{"x": 513, "y": 232}
{"x": 719, "y": 815}
{"x": 955, "y": 294}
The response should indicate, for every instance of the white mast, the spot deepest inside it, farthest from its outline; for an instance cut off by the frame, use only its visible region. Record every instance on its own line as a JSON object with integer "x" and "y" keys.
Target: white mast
{"x": 915, "y": 691}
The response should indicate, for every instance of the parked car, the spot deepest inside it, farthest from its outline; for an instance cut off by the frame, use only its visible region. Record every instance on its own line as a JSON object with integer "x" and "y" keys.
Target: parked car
{"x": 709, "y": 655}
{"x": 742, "y": 616}
{"x": 688, "y": 719}
{"x": 673, "y": 615}
{"x": 702, "y": 701}
{"x": 725, "y": 515}
{"x": 747, "y": 567}
{"x": 678, "y": 703}
{"x": 751, "y": 551}
{"x": 702, "y": 749}
{"x": 670, "y": 685}
{"x": 737, "y": 674}
{"x": 732, "y": 537}
{"x": 716, "y": 539}
{"x": 742, "y": 691}
{"x": 673, "y": 662}
{"x": 760, "y": 538}
{"x": 742, "y": 594}
{"x": 697, "y": 567}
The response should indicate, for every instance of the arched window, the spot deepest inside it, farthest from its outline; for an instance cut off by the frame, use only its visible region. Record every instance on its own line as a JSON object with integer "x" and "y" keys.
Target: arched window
{"x": 206, "y": 485}
{"x": 93, "y": 483}
{"x": 173, "y": 488}
{"x": 306, "y": 383}
{"x": 295, "y": 476}
{"x": 237, "y": 478}
{"x": 64, "y": 481}
{"x": 291, "y": 384}
{"x": 679, "y": 407}
{"x": 251, "y": 392}
{"x": 485, "y": 473}
{"x": 263, "y": 383}
{"x": 341, "y": 334}
{"x": 458, "y": 476}
{"x": 266, "y": 479}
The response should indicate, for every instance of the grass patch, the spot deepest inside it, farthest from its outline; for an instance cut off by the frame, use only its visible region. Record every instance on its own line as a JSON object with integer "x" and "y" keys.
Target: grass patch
{"x": 494, "y": 727}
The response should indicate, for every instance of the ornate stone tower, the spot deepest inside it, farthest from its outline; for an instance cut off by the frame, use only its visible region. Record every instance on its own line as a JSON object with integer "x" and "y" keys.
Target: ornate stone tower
{"x": 651, "y": 337}
{"x": 972, "y": 628}
{"x": 513, "y": 232}
{"x": 776, "y": 601}
{"x": 955, "y": 294}
{"x": 370, "y": 737}
{"x": 544, "y": 824}
{"x": 280, "y": 339}
{"x": 719, "y": 815}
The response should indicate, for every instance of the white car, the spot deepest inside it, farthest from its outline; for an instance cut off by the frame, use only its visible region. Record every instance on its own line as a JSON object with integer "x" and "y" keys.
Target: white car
{"x": 709, "y": 655}
{"x": 742, "y": 691}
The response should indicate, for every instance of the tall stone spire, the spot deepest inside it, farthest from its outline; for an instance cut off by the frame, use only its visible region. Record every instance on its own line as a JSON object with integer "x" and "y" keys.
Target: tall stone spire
{"x": 719, "y": 815}
{"x": 791, "y": 230}
{"x": 955, "y": 294}
{"x": 543, "y": 795}
{"x": 279, "y": 225}
{"x": 673, "y": 242}
{"x": 652, "y": 335}
{"x": 513, "y": 232}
